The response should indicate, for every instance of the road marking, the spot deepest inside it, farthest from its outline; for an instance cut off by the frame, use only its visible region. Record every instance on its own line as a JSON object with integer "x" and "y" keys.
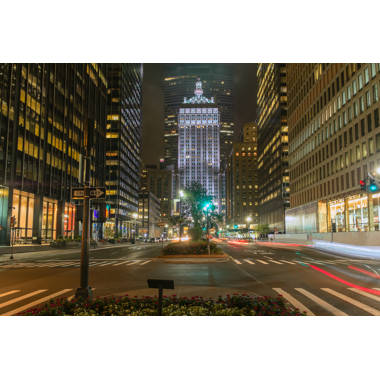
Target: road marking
{"x": 332, "y": 309}
{"x": 9, "y": 293}
{"x": 123, "y": 262}
{"x": 276, "y": 262}
{"x": 105, "y": 263}
{"x": 262, "y": 261}
{"x": 293, "y": 301}
{"x": 133, "y": 262}
{"x": 288, "y": 262}
{"x": 146, "y": 262}
{"x": 249, "y": 262}
{"x": 37, "y": 302}
{"x": 369, "y": 295}
{"x": 352, "y": 301}
{"x": 236, "y": 261}
{"x": 14, "y": 300}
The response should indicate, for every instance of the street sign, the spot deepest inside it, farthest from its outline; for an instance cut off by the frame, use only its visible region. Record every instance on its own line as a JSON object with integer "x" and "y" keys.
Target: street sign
{"x": 93, "y": 192}
{"x": 163, "y": 284}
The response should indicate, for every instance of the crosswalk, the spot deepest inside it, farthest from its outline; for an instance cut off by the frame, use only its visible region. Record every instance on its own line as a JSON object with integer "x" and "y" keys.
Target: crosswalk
{"x": 317, "y": 301}
{"x": 72, "y": 264}
{"x": 263, "y": 262}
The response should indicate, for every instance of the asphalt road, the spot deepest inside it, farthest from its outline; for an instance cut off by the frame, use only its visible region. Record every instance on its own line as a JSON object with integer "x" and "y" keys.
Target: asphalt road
{"x": 318, "y": 283}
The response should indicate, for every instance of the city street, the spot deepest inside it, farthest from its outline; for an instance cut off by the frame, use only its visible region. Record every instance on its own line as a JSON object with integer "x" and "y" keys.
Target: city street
{"x": 315, "y": 282}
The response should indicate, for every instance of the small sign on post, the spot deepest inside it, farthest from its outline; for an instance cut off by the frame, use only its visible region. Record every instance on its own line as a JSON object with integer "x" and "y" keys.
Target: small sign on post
{"x": 160, "y": 284}
{"x": 91, "y": 192}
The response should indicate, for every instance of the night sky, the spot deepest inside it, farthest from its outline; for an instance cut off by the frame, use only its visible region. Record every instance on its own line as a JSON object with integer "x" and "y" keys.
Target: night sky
{"x": 153, "y": 106}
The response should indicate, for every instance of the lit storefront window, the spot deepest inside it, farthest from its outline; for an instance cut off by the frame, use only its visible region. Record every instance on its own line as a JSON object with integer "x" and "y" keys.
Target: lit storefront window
{"x": 49, "y": 219}
{"x": 22, "y": 210}
{"x": 358, "y": 214}
{"x": 337, "y": 215}
{"x": 69, "y": 220}
{"x": 376, "y": 211}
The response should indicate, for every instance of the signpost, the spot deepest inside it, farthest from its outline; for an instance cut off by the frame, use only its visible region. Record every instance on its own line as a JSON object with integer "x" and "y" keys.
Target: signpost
{"x": 86, "y": 193}
{"x": 160, "y": 284}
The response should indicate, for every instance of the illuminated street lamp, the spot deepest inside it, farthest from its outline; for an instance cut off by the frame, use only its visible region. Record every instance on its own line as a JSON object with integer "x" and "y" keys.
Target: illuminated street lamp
{"x": 248, "y": 220}
{"x": 378, "y": 170}
{"x": 134, "y": 216}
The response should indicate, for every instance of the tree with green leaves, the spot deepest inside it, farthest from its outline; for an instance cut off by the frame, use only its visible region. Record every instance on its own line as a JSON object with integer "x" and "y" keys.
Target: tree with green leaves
{"x": 177, "y": 220}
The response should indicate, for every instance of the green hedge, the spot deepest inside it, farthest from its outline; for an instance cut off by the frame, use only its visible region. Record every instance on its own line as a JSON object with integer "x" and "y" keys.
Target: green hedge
{"x": 190, "y": 248}
{"x": 236, "y": 304}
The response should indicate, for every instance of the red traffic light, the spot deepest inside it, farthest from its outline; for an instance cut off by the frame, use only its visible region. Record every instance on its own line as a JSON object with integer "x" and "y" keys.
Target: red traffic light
{"x": 362, "y": 183}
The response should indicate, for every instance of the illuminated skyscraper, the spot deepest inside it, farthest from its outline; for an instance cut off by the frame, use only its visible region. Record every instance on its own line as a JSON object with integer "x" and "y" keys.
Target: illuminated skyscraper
{"x": 272, "y": 144}
{"x": 199, "y": 143}
{"x": 217, "y": 79}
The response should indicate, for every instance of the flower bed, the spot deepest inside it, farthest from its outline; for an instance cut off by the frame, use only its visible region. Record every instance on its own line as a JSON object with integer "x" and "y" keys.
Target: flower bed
{"x": 236, "y": 304}
{"x": 191, "y": 248}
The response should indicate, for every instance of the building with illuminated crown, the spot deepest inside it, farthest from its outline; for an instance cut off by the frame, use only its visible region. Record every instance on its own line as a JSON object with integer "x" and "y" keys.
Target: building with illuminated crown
{"x": 199, "y": 143}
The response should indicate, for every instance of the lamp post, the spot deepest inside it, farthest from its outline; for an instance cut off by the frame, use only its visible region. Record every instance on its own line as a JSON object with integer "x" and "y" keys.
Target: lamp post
{"x": 181, "y": 195}
{"x": 134, "y": 216}
{"x": 206, "y": 208}
{"x": 249, "y": 220}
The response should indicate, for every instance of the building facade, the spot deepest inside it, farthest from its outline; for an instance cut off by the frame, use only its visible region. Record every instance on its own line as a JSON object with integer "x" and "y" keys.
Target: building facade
{"x": 199, "y": 143}
{"x": 242, "y": 181}
{"x": 272, "y": 145}
{"x": 334, "y": 143}
{"x": 123, "y": 146}
{"x": 160, "y": 183}
{"x": 51, "y": 116}
{"x": 217, "y": 79}
{"x": 149, "y": 215}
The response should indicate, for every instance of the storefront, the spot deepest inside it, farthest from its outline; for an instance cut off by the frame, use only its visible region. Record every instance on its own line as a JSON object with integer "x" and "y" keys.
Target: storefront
{"x": 22, "y": 213}
{"x": 376, "y": 211}
{"x": 358, "y": 214}
{"x": 69, "y": 220}
{"x": 49, "y": 219}
{"x": 4, "y": 192}
{"x": 337, "y": 215}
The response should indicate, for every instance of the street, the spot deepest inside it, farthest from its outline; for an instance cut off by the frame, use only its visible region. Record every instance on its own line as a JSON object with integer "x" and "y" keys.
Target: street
{"x": 315, "y": 282}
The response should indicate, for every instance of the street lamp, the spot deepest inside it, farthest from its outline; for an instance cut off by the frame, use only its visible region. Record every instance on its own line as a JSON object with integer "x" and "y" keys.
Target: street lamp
{"x": 378, "y": 170}
{"x": 134, "y": 216}
{"x": 206, "y": 208}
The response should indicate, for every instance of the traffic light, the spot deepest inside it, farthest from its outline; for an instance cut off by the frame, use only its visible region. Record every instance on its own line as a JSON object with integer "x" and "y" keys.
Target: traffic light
{"x": 207, "y": 206}
{"x": 373, "y": 187}
{"x": 363, "y": 185}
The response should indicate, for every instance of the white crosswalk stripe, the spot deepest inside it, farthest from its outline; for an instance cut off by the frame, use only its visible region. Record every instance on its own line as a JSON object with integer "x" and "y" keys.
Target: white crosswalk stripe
{"x": 363, "y": 293}
{"x": 288, "y": 262}
{"x": 249, "y": 261}
{"x": 37, "y": 302}
{"x": 276, "y": 262}
{"x": 9, "y": 293}
{"x": 121, "y": 263}
{"x": 262, "y": 262}
{"x": 146, "y": 262}
{"x": 14, "y": 300}
{"x": 293, "y": 301}
{"x": 236, "y": 261}
{"x": 133, "y": 262}
{"x": 352, "y": 301}
{"x": 105, "y": 263}
{"x": 332, "y": 309}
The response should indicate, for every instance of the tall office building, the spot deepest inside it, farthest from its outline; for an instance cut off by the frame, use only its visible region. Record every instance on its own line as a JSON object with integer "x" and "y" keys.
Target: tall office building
{"x": 160, "y": 183}
{"x": 198, "y": 143}
{"x": 123, "y": 145}
{"x": 334, "y": 143}
{"x": 272, "y": 144}
{"x": 48, "y": 112}
{"x": 242, "y": 180}
{"x": 217, "y": 79}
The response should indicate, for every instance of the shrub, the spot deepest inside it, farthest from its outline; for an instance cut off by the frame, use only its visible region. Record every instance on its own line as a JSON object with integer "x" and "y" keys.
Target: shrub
{"x": 195, "y": 233}
{"x": 190, "y": 248}
{"x": 172, "y": 306}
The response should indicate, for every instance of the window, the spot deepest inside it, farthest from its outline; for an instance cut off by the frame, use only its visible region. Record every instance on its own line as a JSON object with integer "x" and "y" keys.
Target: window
{"x": 344, "y": 98}
{"x": 358, "y": 155}
{"x": 373, "y": 69}
{"x": 371, "y": 146}
{"x": 369, "y": 123}
{"x": 376, "y": 117}
{"x": 366, "y": 75}
{"x": 349, "y": 93}
{"x": 354, "y": 87}
{"x": 364, "y": 150}
{"x": 378, "y": 142}
{"x": 360, "y": 81}
{"x": 375, "y": 94}
{"x": 361, "y": 104}
{"x": 368, "y": 98}
{"x": 355, "y": 109}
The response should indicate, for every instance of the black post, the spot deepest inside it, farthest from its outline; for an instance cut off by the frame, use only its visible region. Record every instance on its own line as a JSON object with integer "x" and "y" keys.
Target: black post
{"x": 85, "y": 291}
{"x": 208, "y": 236}
{"x": 160, "y": 300}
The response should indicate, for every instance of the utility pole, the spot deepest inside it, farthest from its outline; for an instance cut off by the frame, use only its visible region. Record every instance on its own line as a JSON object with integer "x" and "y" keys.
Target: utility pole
{"x": 85, "y": 291}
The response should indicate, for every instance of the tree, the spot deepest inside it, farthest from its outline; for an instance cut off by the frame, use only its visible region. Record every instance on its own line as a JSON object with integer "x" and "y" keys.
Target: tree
{"x": 194, "y": 200}
{"x": 177, "y": 220}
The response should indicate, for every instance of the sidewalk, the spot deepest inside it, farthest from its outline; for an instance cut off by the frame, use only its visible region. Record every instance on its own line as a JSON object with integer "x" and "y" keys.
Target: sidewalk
{"x": 46, "y": 250}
